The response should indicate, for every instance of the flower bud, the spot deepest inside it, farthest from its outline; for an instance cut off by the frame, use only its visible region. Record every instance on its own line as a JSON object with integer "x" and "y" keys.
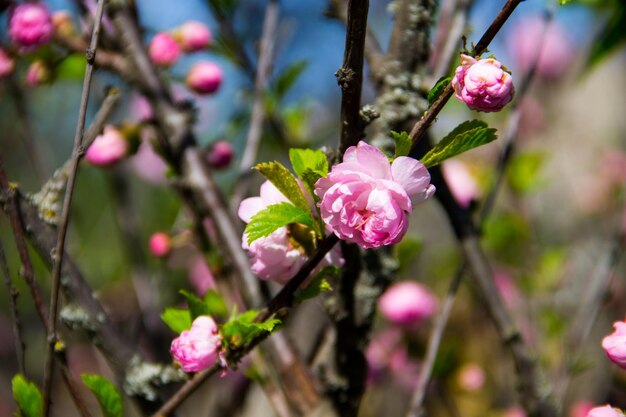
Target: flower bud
{"x": 220, "y": 154}
{"x": 37, "y": 73}
{"x": 160, "y": 244}
{"x": 482, "y": 84}
{"x": 193, "y": 36}
{"x": 30, "y": 26}
{"x": 108, "y": 148}
{"x": 204, "y": 78}
{"x": 471, "y": 377}
{"x": 407, "y": 303}
{"x": 197, "y": 349}
{"x": 62, "y": 23}
{"x": 7, "y": 64}
{"x": 615, "y": 344}
{"x": 606, "y": 411}
{"x": 164, "y": 50}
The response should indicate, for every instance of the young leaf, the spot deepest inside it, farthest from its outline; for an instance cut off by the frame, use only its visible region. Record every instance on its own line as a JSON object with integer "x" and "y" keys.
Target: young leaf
{"x": 403, "y": 143}
{"x": 242, "y": 329}
{"x": 197, "y": 307}
{"x": 309, "y": 165}
{"x": 438, "y": 88}
{"x": 216, "y": 305}
{"x": 318, "y": 284}
{"x": 27, "y": 396}
{"x": 177, "y": 319}
{"x": 468, "y": 135}
{"x": 108, "y": 397}
{"x": 272, "y": 217}
{"x": 288, "y": 78}
{"x": 286, "y": 183}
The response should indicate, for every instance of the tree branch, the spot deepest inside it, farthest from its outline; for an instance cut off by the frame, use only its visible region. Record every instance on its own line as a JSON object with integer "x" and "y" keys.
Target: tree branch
{"x": 13, "y": 295}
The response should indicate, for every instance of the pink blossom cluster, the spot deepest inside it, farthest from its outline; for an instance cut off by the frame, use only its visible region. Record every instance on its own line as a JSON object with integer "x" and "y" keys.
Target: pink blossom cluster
{"x": 30, "y": 26}
{"x": 108, "y": 148}
{"x": 366, "y": 200}
{"x": 407, "y": 303}
{"x": 482, "y": 84}
{"x": 277, "y": 256}
{"x": 198, "y": 348}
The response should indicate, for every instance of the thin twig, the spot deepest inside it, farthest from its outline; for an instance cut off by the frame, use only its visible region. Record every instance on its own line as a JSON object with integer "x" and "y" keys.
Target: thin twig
{"x": 17, "y": 328}
{"x": 255, "y": 130}
{"x": 67, "y": 201}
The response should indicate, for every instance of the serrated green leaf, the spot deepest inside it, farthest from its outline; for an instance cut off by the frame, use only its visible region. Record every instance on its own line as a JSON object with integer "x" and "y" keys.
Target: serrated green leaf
{"x": 286, "y": 183}
{"x": 272, "y": 217}
{"x": 309, "y": 165}
{"x": 318, "y": 284}
{"x": 288, "y": 78}
{"x": 177, "y": 319}
{"x": 108, "y": 396}
{"x": 216, "y": 305}
{"x": 468, "y": 135}
{"x": 242, "y": 329}
{"x": 197, "y": 307}
{"x": 403, "y": 143}
{"x": 27, "y": 396}
{"x": 438, "y": 88}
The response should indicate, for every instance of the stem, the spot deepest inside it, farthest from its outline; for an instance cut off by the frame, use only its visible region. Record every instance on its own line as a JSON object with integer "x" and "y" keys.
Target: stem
{"x": 67, "y": 201}
{"x": 17, "y": 328}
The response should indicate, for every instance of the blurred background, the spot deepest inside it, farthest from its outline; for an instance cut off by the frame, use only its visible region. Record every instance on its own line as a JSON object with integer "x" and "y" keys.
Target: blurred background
{"x": 557, "y": 219}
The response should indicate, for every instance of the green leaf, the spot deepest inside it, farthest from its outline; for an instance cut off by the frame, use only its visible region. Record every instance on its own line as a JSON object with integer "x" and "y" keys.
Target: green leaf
{"x": 216, "y": 305}
{"x": 286, "y": 183}
{"x": 612, "y": 36}
{"x": 72, "y": 67}
{"x": 197, "y": 307}
{"x": 242, "y": 329}
{"x": 468, "y": 135}
{"x": 272, "y": 217}
{"x": 318, "y": 284}
{"x": 403, "y": 143}
{"x": 27, "y": 396}
{"x": 177, "y": 319}
{"x": 438, "y": 88}
{"x": 108, "y": 396}
{"x": 288, "y": 78}
{"x": 309, "y": 165}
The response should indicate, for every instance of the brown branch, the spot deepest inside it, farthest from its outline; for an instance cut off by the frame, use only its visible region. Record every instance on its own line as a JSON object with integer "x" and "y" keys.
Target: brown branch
{"x": 13, "y": 295}
{"x": 67, "y": 201}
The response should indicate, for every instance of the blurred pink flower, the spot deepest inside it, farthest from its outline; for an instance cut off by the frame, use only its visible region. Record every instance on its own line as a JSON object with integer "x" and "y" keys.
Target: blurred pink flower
{"x": 581, "y": 409}
{"x": 407, "y": 303}
{"x": 148, "y": 164}
{"x": 200, "y": 275}
{"x": 471, "y": 377}
{"x": 197, "y": 349}
{"x": 37, "y": 73}
{"x": 530, "y": 36}
{"x": 378, "y": 352}
{"x": 140, "y": 108}
{"x": 194, "y": 36}
{"x": 160, "y": 244}
{"x": 482, "y": 84}
{"x": 605, "y": 411}
{"x": 164, "y": 50}
{"x": 7, "y": 64}
{"x": 506, "y": 287}
{"x": 220, "y": 154}
{"x": 515, "y": 411}
{"x": 108, "y": 148}
{"x": 204, "y": 78}
{"x": 30, "y": 26}
{"x": 462, "y": 185}
{"x": 615, "y": 344}
{"x": 365, "y": 199}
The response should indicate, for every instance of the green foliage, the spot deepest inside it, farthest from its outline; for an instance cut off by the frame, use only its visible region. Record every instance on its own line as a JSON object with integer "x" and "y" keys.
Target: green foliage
{"x": 216, "y": 304}
{"x": 438, "y": 88}
{"x": 286, "y": 80}
{"x": 241, "y": 330}
{"x": 212, "y": 305}
{"x": 197, "y": 307}
{"x": 612, "y": 36}
{"x": 177, "y": 319}
{"x": 309, "y": 165}
{"x": 286, "y": 183}
{"x": 108, "y": 396}
{"x": 403, "y": 143}
{"x": 27, "y": 396}
{"x": 272, "y": 217}
{"x": 468, "y": 135}
{"x": 72, "y": 67}
{"x": 523, "y": 173}
{"x": 506, "y": 235}
{"x": 406, "y": 251}
{"x": 318, "y": 284}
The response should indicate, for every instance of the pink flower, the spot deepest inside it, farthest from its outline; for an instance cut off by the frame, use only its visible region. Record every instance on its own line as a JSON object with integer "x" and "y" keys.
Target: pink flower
{"x": 471, "y": 377}
{"x": 194, "y": 36}
{"x": 164, "y": 50}
{"x": 462, "y": 185}
{"x": 407, "y": 303}
{"x": 204, "y": 78}
{"x": 605, "y": 411}
{"x": 108, "y": 148}
{"x": 581, "y": 409}
{"x": 483, "y": 85}
{"x": 160, "y": 244}
{"x": 200, "y": 275}
{"x": 515, "y": 412}
{"x": 197, "y": 349}
{"x": 220, "y": 154}
{"x": 7, "y": 64}
{"x": 277, "y": 256}
{"x": 30, "y": 26}
{"x": 365, "y": 199}
{"x": 530, "y": 36}
{"x": 37, "y": 73}
{"x": 615, "y": 344}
